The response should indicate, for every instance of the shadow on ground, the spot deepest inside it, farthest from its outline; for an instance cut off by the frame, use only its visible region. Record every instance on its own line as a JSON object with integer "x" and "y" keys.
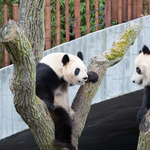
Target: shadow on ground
{"x": 111, "y": 125}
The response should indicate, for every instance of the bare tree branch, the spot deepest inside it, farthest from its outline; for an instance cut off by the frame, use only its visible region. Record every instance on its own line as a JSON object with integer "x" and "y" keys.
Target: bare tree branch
{"x": 22, "y": 84}
{"x": 99, "y": 64}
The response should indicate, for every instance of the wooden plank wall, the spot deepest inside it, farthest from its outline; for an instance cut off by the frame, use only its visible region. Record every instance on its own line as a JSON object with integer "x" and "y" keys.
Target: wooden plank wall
{"x": 126, "y": 10}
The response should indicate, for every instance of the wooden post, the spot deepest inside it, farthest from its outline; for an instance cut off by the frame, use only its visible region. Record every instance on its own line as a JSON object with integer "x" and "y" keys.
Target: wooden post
{"x": 139, "y": 8}
{"x": 134, "y": 11}
{"x": 15, "y": 12}
{"x": 47, "y": 25}
{"x": 119, "y": 11}
{"x": 77, "y": 30}
{"x": 87, "y": 17}
{"x": 149, "y": 8}
{"x": 108, "y": 13}
{"x": 67, "y": 20}
{"x": 129, "y": 10}
{"x": 96, "y": 15}
{"x": 58, "y": 21}
{"x": 6, "y": 56}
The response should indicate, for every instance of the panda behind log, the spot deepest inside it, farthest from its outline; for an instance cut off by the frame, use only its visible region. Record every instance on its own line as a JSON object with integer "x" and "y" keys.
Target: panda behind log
{"x": 141, "y": 77}
{"x": 54, "y": 74}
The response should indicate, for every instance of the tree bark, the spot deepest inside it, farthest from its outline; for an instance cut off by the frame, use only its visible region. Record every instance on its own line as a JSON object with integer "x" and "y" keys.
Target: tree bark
{"x": 31, "y": 19}
{"x": 144, "y": 136}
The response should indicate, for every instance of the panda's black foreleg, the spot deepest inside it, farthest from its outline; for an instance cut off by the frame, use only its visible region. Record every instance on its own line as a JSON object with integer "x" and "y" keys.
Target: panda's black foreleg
{"x": 92, "y": 76}
{"x": 63, "y": 128}
{"x": 145, "y": 104}
{"x": 47, "y": 96}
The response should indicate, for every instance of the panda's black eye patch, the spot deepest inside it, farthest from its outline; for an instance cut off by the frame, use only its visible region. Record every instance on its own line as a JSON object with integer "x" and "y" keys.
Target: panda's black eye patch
{"x": 138, "y": 70}
{"x": 76, "y": 72}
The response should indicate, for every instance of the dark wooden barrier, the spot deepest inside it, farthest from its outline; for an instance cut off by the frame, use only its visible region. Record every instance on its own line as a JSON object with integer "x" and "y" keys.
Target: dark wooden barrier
{"x": 47, "y": 25}
{"x": 122, "y": 10}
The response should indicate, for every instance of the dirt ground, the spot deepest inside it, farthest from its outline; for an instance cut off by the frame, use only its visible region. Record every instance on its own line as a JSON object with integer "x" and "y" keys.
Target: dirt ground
{"x": 111, "y": 125}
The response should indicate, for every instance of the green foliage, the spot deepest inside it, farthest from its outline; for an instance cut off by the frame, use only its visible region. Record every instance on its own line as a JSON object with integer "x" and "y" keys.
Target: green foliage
{"x": 71, "y": 15}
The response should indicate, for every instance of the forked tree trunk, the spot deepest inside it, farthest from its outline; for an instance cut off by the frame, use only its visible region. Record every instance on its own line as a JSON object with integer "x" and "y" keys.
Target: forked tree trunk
{"x": 22, "y": 83}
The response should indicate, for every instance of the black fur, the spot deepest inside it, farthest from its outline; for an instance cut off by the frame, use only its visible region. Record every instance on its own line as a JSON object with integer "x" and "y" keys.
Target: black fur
{"x": 145, "y": 50}
{"x": 63, "y": 128}
{"x": 145, "y": 104}
{"x": 92, "y": 76}
{"x": 46, "y": 82}
{"x": 65, "y": 59}
{"x": 80, "y": 55}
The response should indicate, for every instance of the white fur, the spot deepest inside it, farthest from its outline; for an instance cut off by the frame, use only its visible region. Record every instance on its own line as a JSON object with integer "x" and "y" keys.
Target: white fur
{"x": 54, "y": 60}
{"x": 142, "y": 62}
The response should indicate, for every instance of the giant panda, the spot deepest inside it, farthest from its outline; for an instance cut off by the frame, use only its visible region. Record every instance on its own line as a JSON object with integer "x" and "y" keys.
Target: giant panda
{"x": 141, "y": 76}
{"x": 54, "y": 74}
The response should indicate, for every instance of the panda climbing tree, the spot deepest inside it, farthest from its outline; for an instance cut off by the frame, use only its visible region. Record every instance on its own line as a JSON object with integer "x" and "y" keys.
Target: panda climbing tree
{"x": 25, "y": 46}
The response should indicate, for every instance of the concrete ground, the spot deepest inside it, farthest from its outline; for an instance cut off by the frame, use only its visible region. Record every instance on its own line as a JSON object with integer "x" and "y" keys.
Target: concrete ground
{"x": 111, "y": 125}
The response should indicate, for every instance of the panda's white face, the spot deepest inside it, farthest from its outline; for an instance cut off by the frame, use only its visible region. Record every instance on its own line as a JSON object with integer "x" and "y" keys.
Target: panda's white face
{"x": 75, "y": 72}
{"x": 141, "y": 74}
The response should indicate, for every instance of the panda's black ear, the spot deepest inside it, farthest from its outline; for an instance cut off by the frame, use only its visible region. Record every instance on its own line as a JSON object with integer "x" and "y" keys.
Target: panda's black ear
{"x": 80, "y": 55}
{"x": 65, "y": 59}
{"x": 145, "y": 50}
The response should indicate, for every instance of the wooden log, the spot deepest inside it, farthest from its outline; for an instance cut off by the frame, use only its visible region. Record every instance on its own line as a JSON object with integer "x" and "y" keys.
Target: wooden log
{"x": 15, "y": 12}
{"x": 119, "y": 11}
{"x": 58, "y": 21}
{"x": 77, "y": 29}
{"x": 6, "y": 55}
{"x": 87, "y": 17}
{"x": 47, "y": 25}
{"x": 129, "y": 10}
{"x": 108, "y": 13}
{"x": 134, "y": 9}
{"x": 139, "y": 8}
{"x": 96, "y": 15}
{"x": 67, "y": 20}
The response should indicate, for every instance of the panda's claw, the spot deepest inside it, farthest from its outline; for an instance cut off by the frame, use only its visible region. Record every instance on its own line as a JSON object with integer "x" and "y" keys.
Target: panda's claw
{"x": 92, "y": 76}
{"x": 141, "y": 113}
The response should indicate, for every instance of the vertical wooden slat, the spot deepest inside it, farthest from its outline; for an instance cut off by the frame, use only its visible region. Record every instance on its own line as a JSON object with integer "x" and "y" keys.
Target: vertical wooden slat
{"x": 129, "y": 10}
{"x": 47, "y": 25}
{"x": 124, "y": 11}
{"x": 87, "y": 17}
{"x": 134, "y": 9}
{"x": 96, "y": 15}
{"x": 77, "y": 29}
{"x": 15, "y": 12}
{"x": 67, "y": 19}
{"x": 149, "y": 7}
{"x": 119, "y": 11}
{"x": 108, "y": 13}
{"x": 58, "y": 21}
{"x": 6, "y": 56}
{"x": 139, "y": 8}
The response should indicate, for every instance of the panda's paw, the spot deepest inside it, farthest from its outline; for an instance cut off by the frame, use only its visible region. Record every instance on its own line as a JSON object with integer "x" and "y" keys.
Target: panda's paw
{"x": 141, "y": 113}
{"x": 50, "y": 106}
{"x": 60, "y": 144}
{"x": 92, "y": 76}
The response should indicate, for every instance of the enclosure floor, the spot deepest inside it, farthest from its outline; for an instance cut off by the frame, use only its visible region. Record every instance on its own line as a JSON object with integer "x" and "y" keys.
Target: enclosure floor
{"x": 111, "y": 125}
